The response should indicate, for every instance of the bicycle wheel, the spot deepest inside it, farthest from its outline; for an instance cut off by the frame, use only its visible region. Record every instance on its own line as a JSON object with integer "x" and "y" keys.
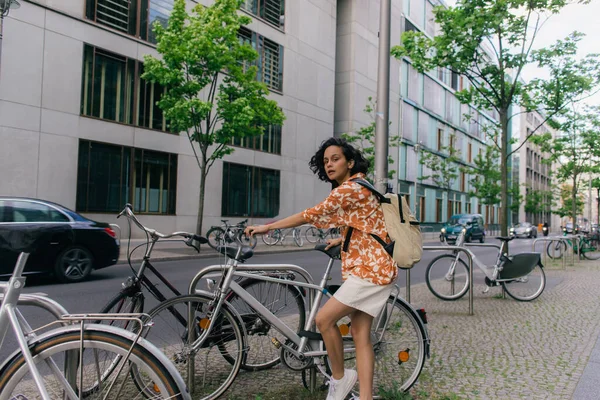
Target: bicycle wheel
{"x": 590, "y": 248}
{"x": 526, "y": 288}
{"x": 446, "y": 278}
{"x": 555, "y": 250}
{"x": 400, "y": 350}
{"x": 215, "y": 237}
{"x": 272, "y": 237}
{"x": 297, "y": 237}
{"x": 213, "y": 374}
{"x": 57, "y": 358}
{"x": 284, "y": 301}
{"x": 313, "y": 235}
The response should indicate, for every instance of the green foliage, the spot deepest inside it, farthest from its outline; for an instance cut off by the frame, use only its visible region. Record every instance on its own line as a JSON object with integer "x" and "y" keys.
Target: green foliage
{"x": 209, "y": 76}
{"x": 516, "y": 197}
{"x": 564, "y": 205}
{"x": 574, "y": 150}
{"x": 486, "y": 181}
{"x": 538, "y": 201}
{"x": 444, "y": 168}
{"x": 508, "y": 31}
{"x": 364, "y": 139}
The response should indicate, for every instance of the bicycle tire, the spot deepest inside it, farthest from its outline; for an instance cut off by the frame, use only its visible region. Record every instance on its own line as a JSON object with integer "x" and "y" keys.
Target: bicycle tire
{"x": 512, "y": 285}
{"x": 312, "y": 235}
{"x": 158, "y": 372}
{"x": 171, "y": 337}
{"x": 433, "y": 282}
{"x": 398, "y": 376}
{"x": 261, "y": 352}
{"x": 297, "y": 236}
{"x": 559, "y": 249}
{"x": 590, "y": 249}
{"x": 215, "y": 237}
{"x": 272, "y": 237}
{"x": 247, "y": 240}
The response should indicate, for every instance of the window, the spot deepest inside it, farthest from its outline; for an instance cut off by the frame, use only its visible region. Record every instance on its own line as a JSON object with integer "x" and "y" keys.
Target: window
{"x": 113, "y": 90}
{"x": 269, "y": 142}
{"x": 468, "y": 208}
{"x": 454, "y": 81}
{"x": 422, "y": 209}
{"x": 463, "y": 181}
{"x": 109, "y": 176}
{"x": 408, "y": 26}
{"x": 440, "y": 139}
{"x": 272, "y": 11}
{"x": 470, "y": 152}
{"x": 250, "y": 191}
{"x": 438, "y": 210}
{"x": 270, "y": 58}
{"x": 452, "y": 142}
{"x": 133, "y": 17}
{"x": 28, "y": 211}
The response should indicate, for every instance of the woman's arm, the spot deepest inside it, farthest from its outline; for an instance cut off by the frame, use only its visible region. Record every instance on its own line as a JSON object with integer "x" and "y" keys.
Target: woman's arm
{"x": 289, "y": 222}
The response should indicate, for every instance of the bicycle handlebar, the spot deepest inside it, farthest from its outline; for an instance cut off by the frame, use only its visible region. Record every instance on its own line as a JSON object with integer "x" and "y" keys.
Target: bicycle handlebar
{"x": 191, "y": 237}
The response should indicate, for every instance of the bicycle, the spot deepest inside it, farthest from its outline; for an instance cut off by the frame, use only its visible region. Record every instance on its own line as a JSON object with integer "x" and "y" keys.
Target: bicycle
{"x": 77, "y": 359}
{"x": 588, "y": 246}
{"x": 131, "y": 297}
{"x": 276, "y": 236}
{"x": 317, "y": 235}
{"x": 227, "y": 233}
{"x": 400, "y": 337}
{"x": 521, "y": 275}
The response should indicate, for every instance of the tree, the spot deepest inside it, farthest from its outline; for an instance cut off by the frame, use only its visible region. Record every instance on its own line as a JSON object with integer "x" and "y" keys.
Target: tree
{"x": 364, "y": 139}
{"x": 209, "y": 75}
{"x": 486, "y": 180}
{"x": 516, "y": 197}
{"x": 538, "y": 201}
{"x": 489, "y": 42}
{"x": 565, "y": 208}
{"x": 574, "y": 149}
{"x": 444, "y": 168}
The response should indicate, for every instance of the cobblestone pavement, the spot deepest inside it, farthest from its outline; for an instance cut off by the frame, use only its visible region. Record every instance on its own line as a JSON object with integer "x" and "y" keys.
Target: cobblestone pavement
{"x": 507, "y": 350}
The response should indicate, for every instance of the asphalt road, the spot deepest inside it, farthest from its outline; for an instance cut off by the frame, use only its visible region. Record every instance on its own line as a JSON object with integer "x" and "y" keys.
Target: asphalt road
{"x": 92, "y": 295}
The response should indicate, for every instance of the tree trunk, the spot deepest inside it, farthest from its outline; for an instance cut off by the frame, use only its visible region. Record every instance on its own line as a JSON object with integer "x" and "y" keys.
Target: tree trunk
{"x": 574, "y": 202}
{"x": 504, "y": 173}
{"x": 201, "y": 199}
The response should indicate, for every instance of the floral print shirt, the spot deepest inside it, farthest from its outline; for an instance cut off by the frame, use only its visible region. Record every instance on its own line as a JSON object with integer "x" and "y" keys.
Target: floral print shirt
{"x": 352, "y": 205}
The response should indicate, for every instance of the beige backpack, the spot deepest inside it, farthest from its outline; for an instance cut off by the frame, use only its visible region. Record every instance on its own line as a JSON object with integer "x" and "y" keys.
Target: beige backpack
{"x": 403, "y": 228}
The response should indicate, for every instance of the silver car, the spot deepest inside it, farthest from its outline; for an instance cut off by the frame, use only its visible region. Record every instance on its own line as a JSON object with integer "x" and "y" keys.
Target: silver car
{"x": 524, "y": 229}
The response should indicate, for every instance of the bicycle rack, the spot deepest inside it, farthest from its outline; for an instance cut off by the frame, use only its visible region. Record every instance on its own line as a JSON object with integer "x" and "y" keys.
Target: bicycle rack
{"x": 488, "y": 245}
{"x": 553, "y": 240}
{"x": 470, "y": 256}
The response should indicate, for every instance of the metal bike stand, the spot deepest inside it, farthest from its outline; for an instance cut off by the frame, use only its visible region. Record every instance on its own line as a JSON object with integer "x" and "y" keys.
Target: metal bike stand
{"x": 408, "y": 285}
{"x": 553, "y": 240}
{"x": 470, "y": 256}
{"x": 212, "y": 269}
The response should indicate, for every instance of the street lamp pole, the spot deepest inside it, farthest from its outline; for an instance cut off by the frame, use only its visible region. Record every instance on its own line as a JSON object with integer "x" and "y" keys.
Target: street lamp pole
{"x": 5, "y": 7}
{"x": 383, "y": 98}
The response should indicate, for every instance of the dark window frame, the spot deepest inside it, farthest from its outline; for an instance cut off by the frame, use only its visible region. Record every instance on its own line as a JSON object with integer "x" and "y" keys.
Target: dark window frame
{"x": 259, "y": 9}
{"x": 127, "y": 170}
{"x": 252, "y": 182}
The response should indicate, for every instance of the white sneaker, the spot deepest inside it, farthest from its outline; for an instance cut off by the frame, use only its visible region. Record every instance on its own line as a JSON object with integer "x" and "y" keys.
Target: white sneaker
{"x": 338, "y": 390}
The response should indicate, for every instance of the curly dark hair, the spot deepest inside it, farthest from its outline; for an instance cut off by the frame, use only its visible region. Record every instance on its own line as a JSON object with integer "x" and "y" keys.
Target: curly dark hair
{"x": 361, "y": 164}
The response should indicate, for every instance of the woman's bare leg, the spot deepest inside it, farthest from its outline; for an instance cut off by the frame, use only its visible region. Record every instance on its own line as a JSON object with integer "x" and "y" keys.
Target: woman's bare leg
{"x": 326, "y": 320}
{"x": 365, "y": 357}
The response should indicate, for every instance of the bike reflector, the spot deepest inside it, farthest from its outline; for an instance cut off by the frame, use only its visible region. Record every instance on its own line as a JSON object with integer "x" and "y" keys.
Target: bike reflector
{"x": 403, "y": 356}
{"x": 204, "y": 323}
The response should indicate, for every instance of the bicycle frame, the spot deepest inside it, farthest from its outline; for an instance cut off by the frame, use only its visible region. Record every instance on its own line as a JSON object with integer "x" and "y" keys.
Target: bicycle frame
{"x": 231, "y": 269}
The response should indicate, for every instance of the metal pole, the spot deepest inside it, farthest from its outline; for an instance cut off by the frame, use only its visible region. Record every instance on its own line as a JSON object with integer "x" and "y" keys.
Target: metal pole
{"x": 408, "y": 285}
{"x": 383, "y": 98}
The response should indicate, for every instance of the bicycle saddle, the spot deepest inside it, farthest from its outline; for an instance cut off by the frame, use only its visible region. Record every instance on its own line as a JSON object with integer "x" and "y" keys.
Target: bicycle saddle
{"x": 231, "y": 252}
{"x": 27, "y": 238}
{"x": 505, "y": 238}
{"x": 334, "y": 252}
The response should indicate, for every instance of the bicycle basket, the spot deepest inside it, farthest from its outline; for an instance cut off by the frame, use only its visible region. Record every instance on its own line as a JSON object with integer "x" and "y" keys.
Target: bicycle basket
{"x": 520, "y": 265}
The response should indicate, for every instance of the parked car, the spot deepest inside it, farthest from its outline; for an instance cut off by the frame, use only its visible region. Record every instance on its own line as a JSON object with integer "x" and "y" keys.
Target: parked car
{"x": 95, "y": 244}
{"x": 473, "y": 223}
{"x": 524, "y": 230}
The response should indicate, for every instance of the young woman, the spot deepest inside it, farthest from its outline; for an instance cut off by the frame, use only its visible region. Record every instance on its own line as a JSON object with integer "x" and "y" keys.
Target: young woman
{"x": 367, "y": 269}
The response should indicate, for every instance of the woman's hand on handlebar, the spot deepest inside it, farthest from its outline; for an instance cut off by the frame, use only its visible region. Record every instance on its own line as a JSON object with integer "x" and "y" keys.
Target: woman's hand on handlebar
{"x": 256, "y": 230}
{"x": 333, "y": 242}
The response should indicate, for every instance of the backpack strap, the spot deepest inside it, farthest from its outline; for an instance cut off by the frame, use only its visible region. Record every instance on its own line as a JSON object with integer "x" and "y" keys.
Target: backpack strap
{"x": 363, "y": 183}
{"x": 400, "y": 208}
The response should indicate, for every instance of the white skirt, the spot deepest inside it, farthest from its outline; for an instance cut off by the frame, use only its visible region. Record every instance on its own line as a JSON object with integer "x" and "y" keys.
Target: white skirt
{"x": 363, "y": 295}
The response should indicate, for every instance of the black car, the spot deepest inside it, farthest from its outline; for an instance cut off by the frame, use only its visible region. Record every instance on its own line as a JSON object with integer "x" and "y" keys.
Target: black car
{"x": 94, "y": 244}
